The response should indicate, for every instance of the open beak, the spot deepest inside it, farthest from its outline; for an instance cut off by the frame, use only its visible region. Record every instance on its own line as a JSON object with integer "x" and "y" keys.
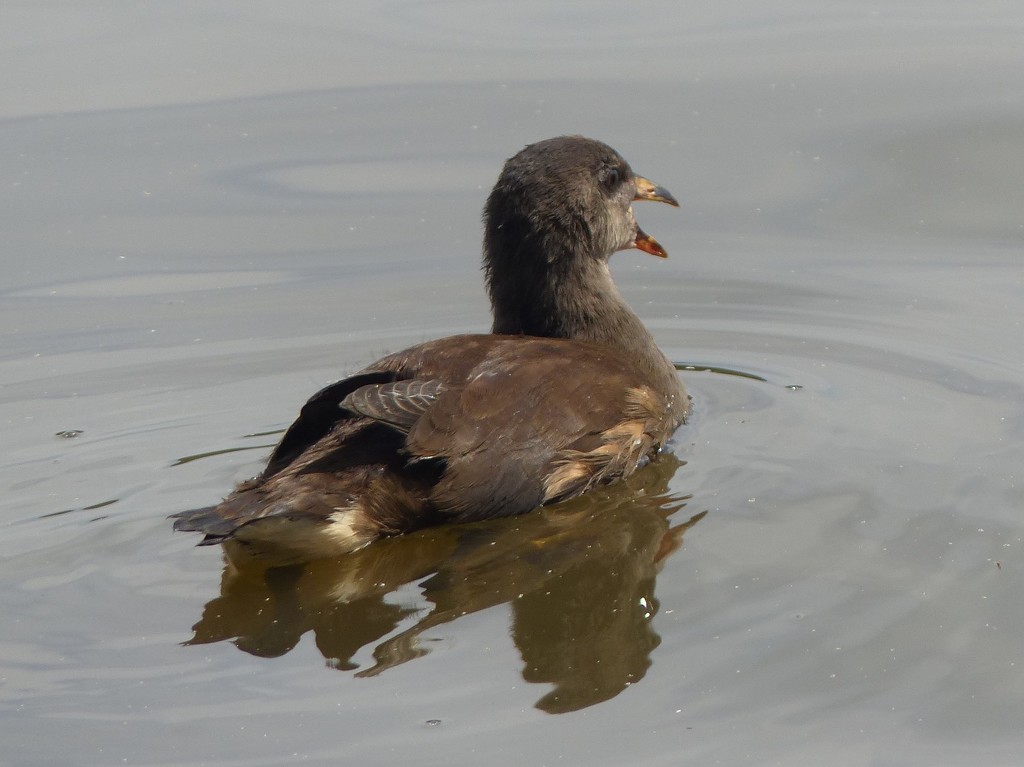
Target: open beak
{"x": 648, "y": 190}
{"x": 648, "y": 244}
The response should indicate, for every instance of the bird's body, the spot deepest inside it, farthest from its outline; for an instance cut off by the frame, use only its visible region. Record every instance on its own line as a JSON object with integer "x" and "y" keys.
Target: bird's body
{"x": 570, "y": 391}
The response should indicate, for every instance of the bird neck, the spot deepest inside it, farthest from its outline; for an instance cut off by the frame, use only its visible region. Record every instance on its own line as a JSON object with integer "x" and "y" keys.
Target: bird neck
{"x": 574, "y": 298}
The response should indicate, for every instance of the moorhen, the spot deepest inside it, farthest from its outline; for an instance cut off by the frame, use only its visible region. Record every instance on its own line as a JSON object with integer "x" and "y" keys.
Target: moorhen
{"x": 568, "y": 392}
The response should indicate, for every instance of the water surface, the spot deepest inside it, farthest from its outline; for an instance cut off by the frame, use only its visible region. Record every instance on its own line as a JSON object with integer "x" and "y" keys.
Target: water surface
{"x": 213, "y": 211}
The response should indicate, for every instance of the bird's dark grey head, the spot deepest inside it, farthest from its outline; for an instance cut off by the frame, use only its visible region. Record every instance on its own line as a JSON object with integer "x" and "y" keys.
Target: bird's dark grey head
{"x": 565, "y": 197}
{"x": 558, "y": 211}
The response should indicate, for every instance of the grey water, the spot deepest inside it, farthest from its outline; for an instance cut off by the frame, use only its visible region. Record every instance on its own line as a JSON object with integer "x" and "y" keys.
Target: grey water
{"x": 211, "y": 210}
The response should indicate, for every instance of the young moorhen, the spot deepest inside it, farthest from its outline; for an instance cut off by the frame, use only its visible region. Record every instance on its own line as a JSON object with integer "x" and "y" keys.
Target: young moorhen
{"x": 569, "y": 391}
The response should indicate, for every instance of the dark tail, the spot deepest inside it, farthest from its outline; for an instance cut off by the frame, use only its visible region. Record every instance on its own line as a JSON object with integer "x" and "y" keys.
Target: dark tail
{"x": 205, "y": 520}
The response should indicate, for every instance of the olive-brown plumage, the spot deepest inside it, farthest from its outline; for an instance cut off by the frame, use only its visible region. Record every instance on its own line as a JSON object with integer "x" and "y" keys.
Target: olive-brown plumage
{"x": 569, "y": 391}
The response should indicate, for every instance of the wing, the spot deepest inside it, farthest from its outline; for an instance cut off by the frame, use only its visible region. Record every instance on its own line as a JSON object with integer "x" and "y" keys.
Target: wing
{"x": 529, "y": 427}
{"x": 445, "y": 360}
{"x": 398, "y": 404}
{"x": 318, "y": 417}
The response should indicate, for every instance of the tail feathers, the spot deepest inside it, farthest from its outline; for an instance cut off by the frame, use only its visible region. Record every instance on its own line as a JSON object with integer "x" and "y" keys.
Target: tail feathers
{"x": 205, "y": 520}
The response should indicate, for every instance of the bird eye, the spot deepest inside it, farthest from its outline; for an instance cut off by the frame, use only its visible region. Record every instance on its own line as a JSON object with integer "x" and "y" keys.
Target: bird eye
{"x": 610, "y": 177}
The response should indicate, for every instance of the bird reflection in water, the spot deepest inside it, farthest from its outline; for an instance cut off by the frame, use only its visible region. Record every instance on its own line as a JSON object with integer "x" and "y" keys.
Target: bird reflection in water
{"x": 579, "y": 577}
